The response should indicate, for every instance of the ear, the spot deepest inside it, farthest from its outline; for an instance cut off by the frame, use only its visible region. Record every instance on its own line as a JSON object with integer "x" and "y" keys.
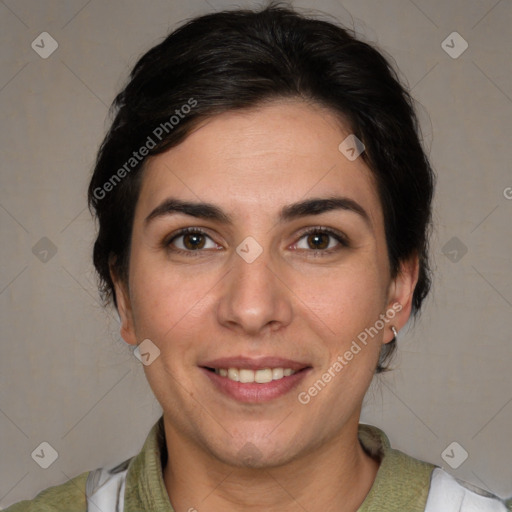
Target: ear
{"x": 400, "y": 295}
{"x": 124, "y": 307}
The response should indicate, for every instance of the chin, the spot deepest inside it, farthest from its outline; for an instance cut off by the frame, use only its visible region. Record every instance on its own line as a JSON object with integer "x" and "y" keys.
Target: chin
{"x": 256, "y": 451}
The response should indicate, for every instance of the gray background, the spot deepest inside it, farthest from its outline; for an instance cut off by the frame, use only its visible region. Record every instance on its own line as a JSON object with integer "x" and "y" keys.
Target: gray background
{"x": 68, "y": 379}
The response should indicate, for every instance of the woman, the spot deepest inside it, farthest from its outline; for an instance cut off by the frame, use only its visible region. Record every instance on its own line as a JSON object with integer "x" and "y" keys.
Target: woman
{"x": 264, "y": 206}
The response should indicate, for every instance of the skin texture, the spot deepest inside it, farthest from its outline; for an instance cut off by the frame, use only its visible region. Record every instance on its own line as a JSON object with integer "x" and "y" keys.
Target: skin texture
{"x": 292, "y": 301}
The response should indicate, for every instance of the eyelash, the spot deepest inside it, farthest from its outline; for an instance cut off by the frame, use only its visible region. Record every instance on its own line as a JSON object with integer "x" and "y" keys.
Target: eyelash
{"x": 339, "y": 237}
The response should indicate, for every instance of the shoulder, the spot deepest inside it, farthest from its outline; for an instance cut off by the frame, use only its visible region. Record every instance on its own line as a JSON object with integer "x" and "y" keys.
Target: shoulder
{"x": 448, "y": 493}
{"x": 67, "y": 497}
{"x": 407, "y": 483}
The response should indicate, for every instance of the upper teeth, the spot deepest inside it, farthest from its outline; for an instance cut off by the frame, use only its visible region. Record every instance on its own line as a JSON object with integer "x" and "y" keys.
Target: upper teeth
{"x": 260, "y": 376}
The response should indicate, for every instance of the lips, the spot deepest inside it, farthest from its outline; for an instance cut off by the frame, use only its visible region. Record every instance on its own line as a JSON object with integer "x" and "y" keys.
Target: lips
{"x": 254, "y": 379}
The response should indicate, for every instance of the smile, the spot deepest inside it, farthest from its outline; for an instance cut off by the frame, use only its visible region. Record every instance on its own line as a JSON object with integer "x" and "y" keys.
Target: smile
{"x": 251, "y": 380}
{"x": 247, "y": 376}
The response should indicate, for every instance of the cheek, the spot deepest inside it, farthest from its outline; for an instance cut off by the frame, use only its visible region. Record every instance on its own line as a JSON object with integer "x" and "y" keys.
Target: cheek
{"x": 168, "y": 303}
{"x": 346, "y": 298}
{"x": 161, "y": 300}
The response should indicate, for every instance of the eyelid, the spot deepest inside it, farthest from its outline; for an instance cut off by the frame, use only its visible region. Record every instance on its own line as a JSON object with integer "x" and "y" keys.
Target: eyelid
{"x": 324, "y": 229}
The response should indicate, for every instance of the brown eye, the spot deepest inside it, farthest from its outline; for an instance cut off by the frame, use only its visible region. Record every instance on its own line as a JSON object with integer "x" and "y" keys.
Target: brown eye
{"x": 193, "y": 241}
{"x": 321, "y": 240}
{"x": 318, "y": 241}
{"x": 190, "y": 240}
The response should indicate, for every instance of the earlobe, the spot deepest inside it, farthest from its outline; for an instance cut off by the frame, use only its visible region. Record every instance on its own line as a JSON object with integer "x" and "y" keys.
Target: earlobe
{"x": 401, "y": 295}
{"x": 124, "y": 308}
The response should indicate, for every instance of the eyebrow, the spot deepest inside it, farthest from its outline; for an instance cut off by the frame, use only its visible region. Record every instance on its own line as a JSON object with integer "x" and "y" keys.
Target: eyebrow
{"x": 208, "y": 211}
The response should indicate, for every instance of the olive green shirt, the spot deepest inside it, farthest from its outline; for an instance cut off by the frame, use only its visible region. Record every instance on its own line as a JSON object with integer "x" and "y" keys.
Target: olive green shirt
{"x": 402, "y": 482}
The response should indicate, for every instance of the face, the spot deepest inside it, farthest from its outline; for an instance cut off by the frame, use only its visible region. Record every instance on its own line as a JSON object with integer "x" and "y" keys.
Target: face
{"x": 282, "y": 272}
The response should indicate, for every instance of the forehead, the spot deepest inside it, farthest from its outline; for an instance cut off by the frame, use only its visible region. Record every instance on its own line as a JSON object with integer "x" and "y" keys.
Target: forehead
{"x": 261, "y": 158}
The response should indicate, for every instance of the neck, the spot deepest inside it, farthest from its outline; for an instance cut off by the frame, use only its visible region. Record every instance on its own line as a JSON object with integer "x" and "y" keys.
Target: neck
{"x": 337, "y": 476}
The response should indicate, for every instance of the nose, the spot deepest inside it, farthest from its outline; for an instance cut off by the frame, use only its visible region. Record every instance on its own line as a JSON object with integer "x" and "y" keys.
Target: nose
{"x": 254, "y": 298}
